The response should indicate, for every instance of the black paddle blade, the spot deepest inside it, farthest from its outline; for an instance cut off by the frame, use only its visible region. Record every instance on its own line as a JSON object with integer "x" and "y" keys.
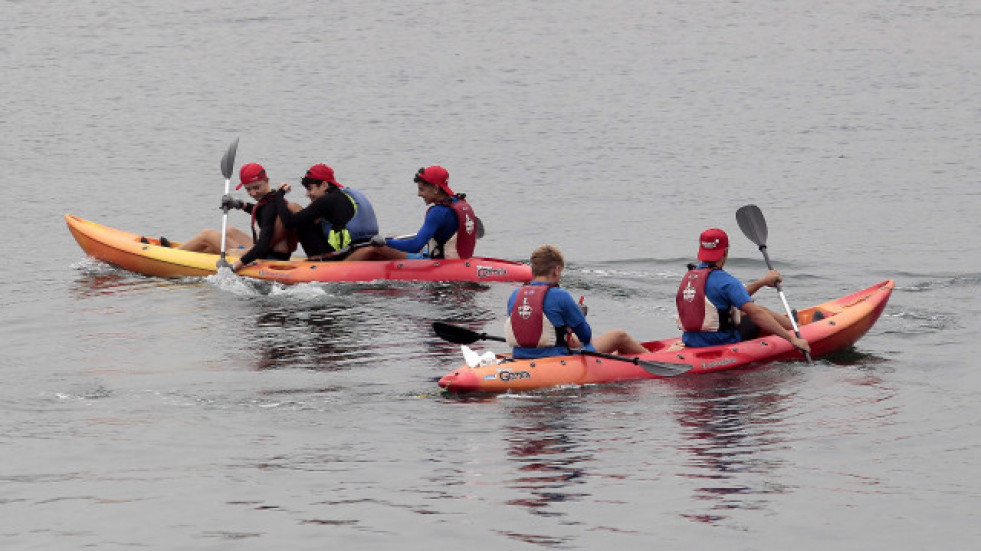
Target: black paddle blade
{"x": 228, "y": 160}
{"x": 454, "y": 334}
{"x": 751, "y": 221}
{"x": 480, "y": 229}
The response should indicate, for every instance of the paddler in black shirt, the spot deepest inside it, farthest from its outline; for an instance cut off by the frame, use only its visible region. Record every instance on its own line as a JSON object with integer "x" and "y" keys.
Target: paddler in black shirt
{"x": 270, "y": 241}
{"x": 323, "y": 226}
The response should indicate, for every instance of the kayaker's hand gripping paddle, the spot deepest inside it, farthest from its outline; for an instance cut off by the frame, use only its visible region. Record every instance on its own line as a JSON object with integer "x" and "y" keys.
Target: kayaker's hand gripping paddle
{"x": 751, "y": 221}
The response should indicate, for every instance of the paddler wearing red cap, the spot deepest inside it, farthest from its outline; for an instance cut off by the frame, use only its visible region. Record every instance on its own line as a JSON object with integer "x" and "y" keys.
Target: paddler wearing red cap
{"x": 337, "y": 217}
{"x": 544, "y": 320}
{"x": 270, "y": 239}
{"x": 448, "y": 231}
{"x": 716, "y": 308}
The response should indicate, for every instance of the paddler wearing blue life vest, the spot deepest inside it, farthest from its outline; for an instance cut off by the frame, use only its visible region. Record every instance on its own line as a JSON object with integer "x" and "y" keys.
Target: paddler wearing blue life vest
{"x": 716, "y": 308}
{"x": 544, "y": 320}
{"x": 336, "y": 218}
{"x": 448, "y": 231}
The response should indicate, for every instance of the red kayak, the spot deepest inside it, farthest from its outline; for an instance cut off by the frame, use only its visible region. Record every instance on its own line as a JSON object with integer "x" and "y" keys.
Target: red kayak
{"x": 827, "y": 327}
{"x": 127, "y": 251}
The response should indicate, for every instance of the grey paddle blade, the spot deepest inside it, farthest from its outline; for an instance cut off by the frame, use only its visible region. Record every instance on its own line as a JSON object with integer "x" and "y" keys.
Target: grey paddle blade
{"x": 661, "y": 369}
{"x": 228, "y": 160}
{"x": 751, "y": 221}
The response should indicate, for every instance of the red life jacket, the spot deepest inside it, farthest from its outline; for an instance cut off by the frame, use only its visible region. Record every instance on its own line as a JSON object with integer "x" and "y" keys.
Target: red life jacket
{"x": 528, "y": 326}
{"x": 695, "y": 311}
{"x": 466, "y": 229}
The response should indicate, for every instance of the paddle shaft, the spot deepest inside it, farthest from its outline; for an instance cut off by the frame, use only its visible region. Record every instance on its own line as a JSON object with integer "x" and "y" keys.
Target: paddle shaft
{"x": 462, "y": 335}
{"x": 227, "y": 165}
{"x": 345, "y": 250}
{"x": 783, "y": 299}
{"x": 662, "y": 369}
{"x": 224, "y": 224}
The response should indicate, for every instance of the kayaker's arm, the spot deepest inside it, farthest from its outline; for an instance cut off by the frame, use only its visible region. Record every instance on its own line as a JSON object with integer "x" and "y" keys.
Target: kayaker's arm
{"x": 769, "y": 280}
{"x": 333, "y": 207}
{"x": 267, "y": 226}
{"x": 583, "y": 333}
{"x": 767, "y": 323}
{"x": 434, "y": 220}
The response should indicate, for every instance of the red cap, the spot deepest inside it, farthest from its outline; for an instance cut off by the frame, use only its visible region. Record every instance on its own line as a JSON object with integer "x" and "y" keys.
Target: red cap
{"x": 437, "y": 176}
{"x": 712, "y": 245}
{"x": 252, "y": 172}
{"x": 322, "y": 172}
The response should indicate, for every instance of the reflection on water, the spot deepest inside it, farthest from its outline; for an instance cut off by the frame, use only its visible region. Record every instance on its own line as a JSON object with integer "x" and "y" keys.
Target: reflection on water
{"x": 543, "y": 442}
{"x": 313, "y": 326}
{"x": 99, "y": 278}
{"x": 357, "y": 324}
{"x": 732, "y": 422}
{"x": 741, "y": 426}
{"x": 852, "y": 356}
{"x": 551, "y": 459}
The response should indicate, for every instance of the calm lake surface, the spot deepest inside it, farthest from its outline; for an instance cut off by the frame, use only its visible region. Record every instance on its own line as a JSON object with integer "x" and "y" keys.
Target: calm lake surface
{"x": 213, "y": 413}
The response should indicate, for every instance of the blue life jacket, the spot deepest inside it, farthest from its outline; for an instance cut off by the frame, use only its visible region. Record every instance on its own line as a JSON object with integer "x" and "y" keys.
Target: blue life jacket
{"x": 363, "y": 226}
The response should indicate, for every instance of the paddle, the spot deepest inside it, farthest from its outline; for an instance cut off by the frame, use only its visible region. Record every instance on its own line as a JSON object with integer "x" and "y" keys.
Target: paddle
{"x": 227, "y": 163}
{"x": 751, "y": 221}
{"x": 462, "y": 335}
{"x": 376, "y": 241}
{"x": 480, "y": 232}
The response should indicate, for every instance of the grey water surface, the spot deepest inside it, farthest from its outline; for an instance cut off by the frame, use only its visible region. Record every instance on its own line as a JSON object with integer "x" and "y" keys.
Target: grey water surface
{"x": 214, "y": 413}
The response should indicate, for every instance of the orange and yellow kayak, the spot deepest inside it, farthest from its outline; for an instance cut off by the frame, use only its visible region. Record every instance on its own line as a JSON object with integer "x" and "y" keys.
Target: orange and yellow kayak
{"x": 127, "y": 251}
{"x": 827, "y": 327}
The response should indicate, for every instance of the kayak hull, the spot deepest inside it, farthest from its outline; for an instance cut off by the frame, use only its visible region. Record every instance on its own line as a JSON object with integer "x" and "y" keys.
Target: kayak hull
{"x": 125, "y": 250}
{"x": 843, "y": 322}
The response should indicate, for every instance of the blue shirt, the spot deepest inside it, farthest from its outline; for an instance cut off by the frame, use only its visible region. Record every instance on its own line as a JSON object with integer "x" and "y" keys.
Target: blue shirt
{"x": 723, "y": 291}
{"x": 440, "y": 223}
{"x": 561, "y": 310}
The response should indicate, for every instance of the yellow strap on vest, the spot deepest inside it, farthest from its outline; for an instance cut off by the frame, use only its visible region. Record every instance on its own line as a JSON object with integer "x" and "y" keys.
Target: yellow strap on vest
{"x": 342, "y": 239}
{"x": 339, "y": 239}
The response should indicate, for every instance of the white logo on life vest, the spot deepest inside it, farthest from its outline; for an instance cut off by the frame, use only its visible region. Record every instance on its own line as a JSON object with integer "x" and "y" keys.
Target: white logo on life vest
{"x": 525, "y": 309}
{"x": 469, "y": 225}
{"x": 689, "y": 293}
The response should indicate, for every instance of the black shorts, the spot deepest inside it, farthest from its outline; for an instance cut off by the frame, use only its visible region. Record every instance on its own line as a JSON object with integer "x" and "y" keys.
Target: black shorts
{"x": 747, "y": 329}
{"x": 276, "y": 255}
